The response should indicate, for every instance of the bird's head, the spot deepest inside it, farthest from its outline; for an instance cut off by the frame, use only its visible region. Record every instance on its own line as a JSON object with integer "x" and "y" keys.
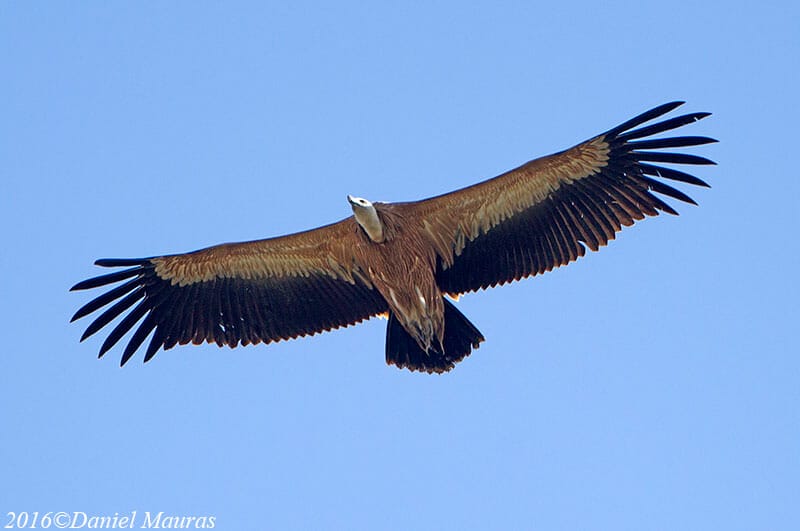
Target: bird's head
{"x": 367, "y": 217}
{"x": 358, "y": 203}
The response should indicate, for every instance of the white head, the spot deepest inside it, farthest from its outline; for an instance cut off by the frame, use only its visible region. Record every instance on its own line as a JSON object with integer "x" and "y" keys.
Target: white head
{"x": 367, "y": 217}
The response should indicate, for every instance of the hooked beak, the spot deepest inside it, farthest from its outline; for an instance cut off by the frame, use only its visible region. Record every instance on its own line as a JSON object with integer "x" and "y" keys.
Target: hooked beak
{"x": 351, "y": 200}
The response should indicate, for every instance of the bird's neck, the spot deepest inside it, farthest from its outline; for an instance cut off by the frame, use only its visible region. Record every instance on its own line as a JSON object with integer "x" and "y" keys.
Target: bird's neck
{"x": 371, "y": 223}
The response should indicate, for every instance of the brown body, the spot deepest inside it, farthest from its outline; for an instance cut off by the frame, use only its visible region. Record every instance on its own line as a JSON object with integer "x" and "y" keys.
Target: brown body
{"x": 401, "y": 259}
{"x": 402, "y": 269}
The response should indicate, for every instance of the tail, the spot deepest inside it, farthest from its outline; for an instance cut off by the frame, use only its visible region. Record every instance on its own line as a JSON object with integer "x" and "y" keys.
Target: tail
{"x": 460, "y": 337}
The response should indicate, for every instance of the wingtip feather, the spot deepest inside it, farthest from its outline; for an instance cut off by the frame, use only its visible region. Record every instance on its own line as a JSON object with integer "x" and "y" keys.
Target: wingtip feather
{"x": 644, "y": 117}
{"x": 108, "y": 278}
{"x": 125, "y": 358}
{"x": 120, "y": 262}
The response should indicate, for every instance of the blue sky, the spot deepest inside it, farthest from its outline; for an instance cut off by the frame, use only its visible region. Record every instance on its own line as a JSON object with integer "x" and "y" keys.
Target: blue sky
{"x": 652, "y": 385}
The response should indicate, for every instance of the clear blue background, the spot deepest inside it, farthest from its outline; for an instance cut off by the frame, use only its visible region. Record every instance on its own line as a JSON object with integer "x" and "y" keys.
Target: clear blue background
{"x": 652, "y": 385}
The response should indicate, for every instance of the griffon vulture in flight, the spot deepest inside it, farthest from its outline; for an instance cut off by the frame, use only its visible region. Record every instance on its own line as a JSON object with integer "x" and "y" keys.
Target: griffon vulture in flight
{"x": 401, "y": 259}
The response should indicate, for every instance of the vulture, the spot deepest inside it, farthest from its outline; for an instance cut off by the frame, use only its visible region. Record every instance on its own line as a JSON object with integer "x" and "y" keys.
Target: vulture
{"x": 406, "y": 261}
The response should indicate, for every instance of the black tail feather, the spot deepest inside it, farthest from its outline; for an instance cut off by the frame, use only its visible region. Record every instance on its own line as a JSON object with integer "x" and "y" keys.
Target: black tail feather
{"x": 460, "y": 337}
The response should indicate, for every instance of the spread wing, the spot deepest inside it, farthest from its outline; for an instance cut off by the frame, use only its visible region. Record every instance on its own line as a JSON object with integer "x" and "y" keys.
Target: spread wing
{"x": 236, "y": 293}
{"x": 541, "y": 215}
